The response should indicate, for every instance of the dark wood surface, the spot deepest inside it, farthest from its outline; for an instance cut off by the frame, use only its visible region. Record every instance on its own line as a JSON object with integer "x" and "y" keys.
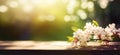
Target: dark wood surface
{"x": 54, "y": 48}
{"x": 51, "y": 45}
{"x": 34, "y": 45}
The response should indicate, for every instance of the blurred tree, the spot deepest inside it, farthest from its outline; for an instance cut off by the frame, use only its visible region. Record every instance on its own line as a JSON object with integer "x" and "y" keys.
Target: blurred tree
{"x": 101, "y": 15}
{"x": 114, "y": 12}
{"x": 54, "y": 22}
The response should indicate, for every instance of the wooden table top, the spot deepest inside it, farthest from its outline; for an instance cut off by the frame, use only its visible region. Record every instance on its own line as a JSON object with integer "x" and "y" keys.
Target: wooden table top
{"x": 34, "y": 45}
{"x": 50, "y": 45}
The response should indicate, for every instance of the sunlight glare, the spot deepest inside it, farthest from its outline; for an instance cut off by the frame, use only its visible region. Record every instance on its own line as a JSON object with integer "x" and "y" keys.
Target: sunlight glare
{"x": 70, "y": 9}
{"x": 103, "y": 3}
{"x": 82, "y": 14}
{"x": 84, "y": 5}
{"x": 65, "y": 1}
{"x": 3, "y": 8}
{"x": 13, "y": 4}
{"x": 36, "y": 2}
{"x": 90, "y": 6}
{"x": 71, "y": 5}
{"x": 51, "y": 1}
{"x": 27, "y": 8}
{"x": 23, "y": 2}
{"x": 67, "y": 18}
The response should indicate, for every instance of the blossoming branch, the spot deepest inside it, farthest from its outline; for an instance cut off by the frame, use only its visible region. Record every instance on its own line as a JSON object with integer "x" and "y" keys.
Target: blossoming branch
{"x": 93, "y": 32}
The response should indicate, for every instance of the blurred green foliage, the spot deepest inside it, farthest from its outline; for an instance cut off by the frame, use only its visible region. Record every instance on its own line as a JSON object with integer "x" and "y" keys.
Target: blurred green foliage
{"x": 49, "y": 21}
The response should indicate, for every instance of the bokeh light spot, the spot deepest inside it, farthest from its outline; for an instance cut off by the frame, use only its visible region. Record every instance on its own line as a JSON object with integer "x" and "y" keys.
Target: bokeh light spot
{"x": 27, "y": 8}
{"x": 13, "y": 4}
{"x": 83, "y": 5}
{"x": 67, "y": 18}
{"x": 3, "y": 8}
{"x": 90, "y": 6}
{"x": 103, "y": 3}
{"x": 82, "y": 14}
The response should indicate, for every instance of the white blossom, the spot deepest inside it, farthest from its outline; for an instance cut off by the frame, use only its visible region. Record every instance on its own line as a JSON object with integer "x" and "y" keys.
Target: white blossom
{"x": 99, "y": 32}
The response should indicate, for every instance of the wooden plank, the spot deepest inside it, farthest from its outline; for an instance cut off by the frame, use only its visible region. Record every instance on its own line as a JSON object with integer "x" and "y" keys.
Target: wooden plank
{"x": 52, "y": 45}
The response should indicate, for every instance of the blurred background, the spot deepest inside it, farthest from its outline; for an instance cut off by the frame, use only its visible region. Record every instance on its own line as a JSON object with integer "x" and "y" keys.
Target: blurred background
{"x": 52, "y": 20}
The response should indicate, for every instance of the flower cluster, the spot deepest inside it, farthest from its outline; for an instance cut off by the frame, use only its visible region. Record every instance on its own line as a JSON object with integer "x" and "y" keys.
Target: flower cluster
{"x": 95, "y": 32}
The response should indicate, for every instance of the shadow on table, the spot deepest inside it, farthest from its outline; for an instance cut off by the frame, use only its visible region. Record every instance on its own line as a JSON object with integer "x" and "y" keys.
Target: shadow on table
{"x": 4, "y": 45}
{"x": 104, "y": 47}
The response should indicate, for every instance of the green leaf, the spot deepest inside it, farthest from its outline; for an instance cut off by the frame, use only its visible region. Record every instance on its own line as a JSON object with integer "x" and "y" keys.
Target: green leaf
{"x": 70, "y": 39}
{"x": 100, "y": 41}
{"x": 95, "y": 23}
{"x": 75, "y": 29}
{"x": 91, "y": 37}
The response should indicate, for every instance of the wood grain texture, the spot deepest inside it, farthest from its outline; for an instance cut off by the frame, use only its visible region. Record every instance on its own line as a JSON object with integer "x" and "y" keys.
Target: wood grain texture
{"x": 52, "y": 45}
